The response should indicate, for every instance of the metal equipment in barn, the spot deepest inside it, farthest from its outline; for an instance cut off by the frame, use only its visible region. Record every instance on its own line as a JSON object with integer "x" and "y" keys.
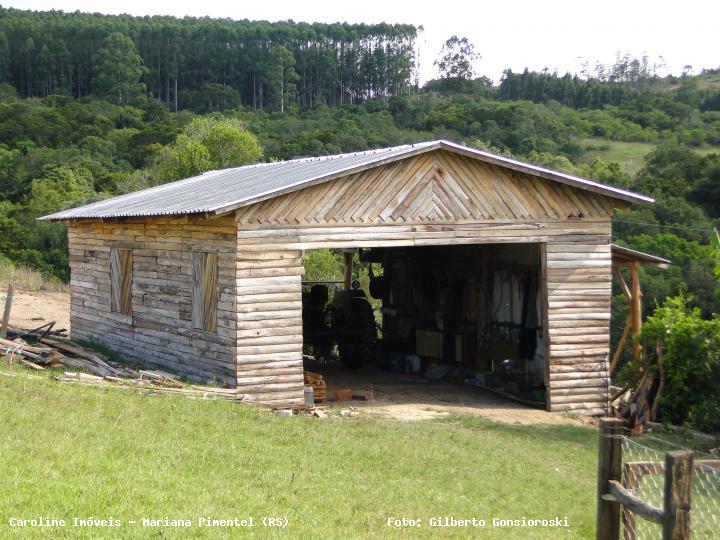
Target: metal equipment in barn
{"x": 346, "y": 322}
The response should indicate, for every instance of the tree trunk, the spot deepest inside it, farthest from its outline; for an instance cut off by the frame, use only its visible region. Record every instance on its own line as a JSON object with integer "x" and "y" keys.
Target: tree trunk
{"x": 661, "y": 384}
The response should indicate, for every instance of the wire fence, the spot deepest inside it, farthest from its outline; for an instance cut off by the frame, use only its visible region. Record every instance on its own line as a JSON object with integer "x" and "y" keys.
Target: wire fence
{"x": 643, "y": 474}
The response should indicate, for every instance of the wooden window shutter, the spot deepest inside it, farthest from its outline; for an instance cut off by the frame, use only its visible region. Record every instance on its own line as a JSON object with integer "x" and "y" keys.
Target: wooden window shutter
{"x": 204, "y": 306}
{"x": 121, "y": 281}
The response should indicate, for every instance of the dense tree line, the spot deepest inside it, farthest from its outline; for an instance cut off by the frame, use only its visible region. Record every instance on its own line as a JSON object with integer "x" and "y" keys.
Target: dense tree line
{"x": 613, "y": 84}
{"x": 208, "y": 64}
{"x": 691, "y": 112}
{"x": 570, "y": 90}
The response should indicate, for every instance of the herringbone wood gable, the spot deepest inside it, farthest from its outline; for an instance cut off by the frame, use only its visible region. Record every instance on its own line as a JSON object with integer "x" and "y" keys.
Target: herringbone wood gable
{"x": 437, "y": 187}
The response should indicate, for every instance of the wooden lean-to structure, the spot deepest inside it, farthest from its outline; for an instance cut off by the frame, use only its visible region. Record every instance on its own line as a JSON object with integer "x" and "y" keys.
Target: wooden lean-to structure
{"x": 203, "y": 276}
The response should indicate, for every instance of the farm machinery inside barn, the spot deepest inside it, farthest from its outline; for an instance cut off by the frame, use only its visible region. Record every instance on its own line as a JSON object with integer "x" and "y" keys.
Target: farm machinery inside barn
{"x": 338, "y": 320}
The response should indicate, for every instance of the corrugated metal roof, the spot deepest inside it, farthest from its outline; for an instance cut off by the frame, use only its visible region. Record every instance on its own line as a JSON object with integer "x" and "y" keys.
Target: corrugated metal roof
{"x": 622, "y": 254}
{"x": 221, "y": 191}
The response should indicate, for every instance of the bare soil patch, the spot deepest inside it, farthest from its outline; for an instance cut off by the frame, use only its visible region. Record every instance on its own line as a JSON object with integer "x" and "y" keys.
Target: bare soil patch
{"x": 31, "y": 309}
{"x": 412, "y": 397}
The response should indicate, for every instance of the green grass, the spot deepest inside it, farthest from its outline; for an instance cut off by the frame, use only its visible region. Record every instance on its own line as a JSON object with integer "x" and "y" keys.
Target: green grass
{"x": 630, "y": 155}
{"x": 69, "y": 450}
{"x": 28, "y": 279}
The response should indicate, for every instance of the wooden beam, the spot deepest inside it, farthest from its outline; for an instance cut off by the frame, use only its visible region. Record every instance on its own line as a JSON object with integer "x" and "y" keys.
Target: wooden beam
{"x": 633, "y": 503}
{"x": 635, "y": 307}
{"x": 545, "y": 308}
{"x": 620, "y": 346}
{"x": 348, "y": 269}
{"x": 622, "y": 283}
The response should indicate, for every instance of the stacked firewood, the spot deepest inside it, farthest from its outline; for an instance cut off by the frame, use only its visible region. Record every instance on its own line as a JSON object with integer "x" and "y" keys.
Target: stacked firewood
{"x": 639, "y": 406}
{"x": 316, "y": 381}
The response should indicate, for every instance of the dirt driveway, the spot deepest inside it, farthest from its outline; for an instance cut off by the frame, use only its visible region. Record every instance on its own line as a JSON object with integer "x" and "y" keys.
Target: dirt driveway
{"x": 412, "y": 397}
{"x": 31, "y": 309}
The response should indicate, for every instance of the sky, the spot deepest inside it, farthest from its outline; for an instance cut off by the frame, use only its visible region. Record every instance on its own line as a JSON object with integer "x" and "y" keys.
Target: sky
{"x": 554, "y": 34}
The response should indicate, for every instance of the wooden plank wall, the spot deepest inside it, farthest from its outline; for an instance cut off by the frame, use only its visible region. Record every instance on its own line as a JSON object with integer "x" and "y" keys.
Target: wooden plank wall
{"x": 269, "y": 331}
{"x": 579, "y": 279}
{"x": 435, "y": 199}
{"x": 159, "y": 331}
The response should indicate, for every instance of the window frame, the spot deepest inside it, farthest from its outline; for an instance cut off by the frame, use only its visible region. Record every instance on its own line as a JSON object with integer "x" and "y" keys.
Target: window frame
{"x": 204, "y": 290}
{"x": 121, "y": 279}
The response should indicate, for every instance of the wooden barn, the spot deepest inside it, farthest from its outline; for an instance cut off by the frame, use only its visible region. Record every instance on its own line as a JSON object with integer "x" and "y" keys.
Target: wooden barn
{"x": 486, "y": 263}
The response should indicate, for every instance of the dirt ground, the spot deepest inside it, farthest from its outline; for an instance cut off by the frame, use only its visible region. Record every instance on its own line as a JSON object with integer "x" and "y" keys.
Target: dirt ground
{"x": 31, "y": 309}
{"x": 412, "y": 397}
{"x": 396, "y": 396}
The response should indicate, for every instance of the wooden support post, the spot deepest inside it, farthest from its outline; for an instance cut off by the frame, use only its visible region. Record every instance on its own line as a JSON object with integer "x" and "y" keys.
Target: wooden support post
{"x": 545, "y": 325}
{"x": 621, "y": 282}
{"x": 620, "y": 346}
{"x": 635, "y": 307}
{"x": 6, "y": 313}
{"x": 348, "y": 268}
{"x": 676, "y": 505}
{"x": 609, "y": 468}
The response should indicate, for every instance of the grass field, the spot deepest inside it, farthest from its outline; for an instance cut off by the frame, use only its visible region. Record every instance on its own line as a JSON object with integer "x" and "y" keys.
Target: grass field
{"x": 72, "y": 451}
{"x": 630, "y": 155}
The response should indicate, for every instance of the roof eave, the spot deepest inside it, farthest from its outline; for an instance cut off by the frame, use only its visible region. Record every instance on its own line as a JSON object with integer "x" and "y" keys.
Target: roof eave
{"x": 625, "y": 255}
{"x": 582, "y": 183}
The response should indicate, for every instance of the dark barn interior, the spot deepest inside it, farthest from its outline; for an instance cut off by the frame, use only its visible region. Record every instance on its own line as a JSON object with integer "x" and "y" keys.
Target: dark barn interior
{"x": 468, "y": 314}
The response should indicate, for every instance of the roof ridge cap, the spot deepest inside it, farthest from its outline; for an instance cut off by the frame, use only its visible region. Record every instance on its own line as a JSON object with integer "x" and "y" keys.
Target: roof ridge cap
{"x": 329, "y": 157}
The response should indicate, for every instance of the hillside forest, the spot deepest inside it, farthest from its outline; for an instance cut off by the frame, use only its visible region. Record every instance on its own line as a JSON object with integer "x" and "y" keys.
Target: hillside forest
{"x": 92, "y": 106}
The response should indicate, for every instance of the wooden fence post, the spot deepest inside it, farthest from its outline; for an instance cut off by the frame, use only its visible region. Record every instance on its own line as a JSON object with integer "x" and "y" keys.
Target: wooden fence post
{"x": 609, "y": 468}
{"x": 6, "y": 313}
{"x": 676, "y": 504}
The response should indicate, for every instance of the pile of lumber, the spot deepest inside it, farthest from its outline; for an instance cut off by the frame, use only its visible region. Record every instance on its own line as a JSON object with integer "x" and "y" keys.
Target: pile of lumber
{"x": 94, "y": 367}
{"x": 55, "y": 353}
{"x": 316, "y": 381}
{"x": 47, "y": 329}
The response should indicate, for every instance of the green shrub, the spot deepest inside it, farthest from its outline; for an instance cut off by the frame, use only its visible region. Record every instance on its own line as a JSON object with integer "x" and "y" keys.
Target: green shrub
{"x": 691, "y": 362}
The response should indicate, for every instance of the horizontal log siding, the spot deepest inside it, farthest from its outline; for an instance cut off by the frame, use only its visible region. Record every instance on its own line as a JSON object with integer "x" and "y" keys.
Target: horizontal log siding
{"x": 159, "y": 332}
{"x": 269, "y": 331}
{"x": 579, "y": 278}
